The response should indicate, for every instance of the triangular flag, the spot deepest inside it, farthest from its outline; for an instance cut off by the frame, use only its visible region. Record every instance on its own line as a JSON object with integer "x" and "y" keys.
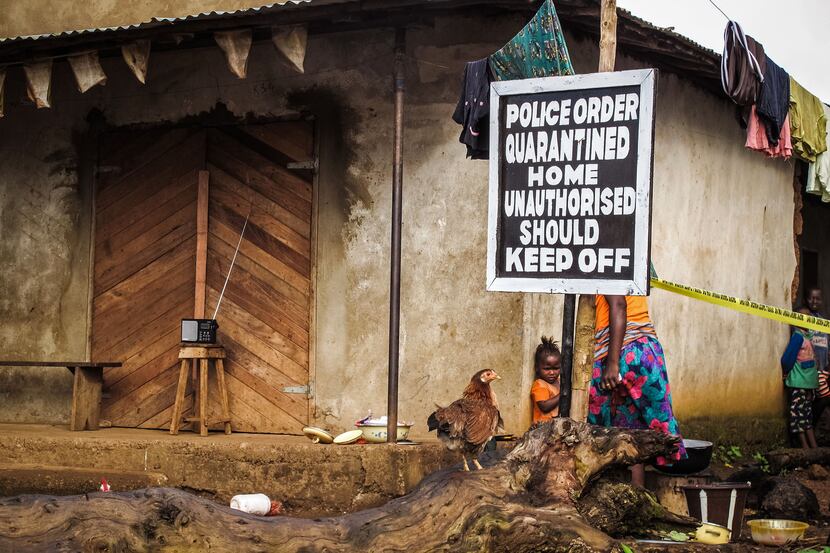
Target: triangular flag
{"x": 88, "y": 71}
{"x": 137, "y": 55}
{"x": 237, "y": 46}
{"x": 291, "y": 42}
{"x": 38, "y": 82}
{"x": 2, "y": 88}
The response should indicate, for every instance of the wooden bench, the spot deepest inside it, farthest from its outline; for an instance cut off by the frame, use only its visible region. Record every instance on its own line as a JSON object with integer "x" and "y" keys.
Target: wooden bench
{"x": 86, "y": 390}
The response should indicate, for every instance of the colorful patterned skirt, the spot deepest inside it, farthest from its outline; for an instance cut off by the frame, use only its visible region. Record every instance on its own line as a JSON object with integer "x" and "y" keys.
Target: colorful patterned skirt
{"x": 642, "y": 400}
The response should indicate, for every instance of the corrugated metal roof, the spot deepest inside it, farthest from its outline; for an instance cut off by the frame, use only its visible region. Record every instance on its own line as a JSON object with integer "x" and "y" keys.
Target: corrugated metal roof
{"x": 662, "y": 46}
{"x": 668, "y": 31}
{"x": 156, "y": 21}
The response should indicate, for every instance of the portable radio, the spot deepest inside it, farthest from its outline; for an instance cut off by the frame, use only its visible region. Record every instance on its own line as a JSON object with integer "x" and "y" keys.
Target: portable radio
{"x": 199, "y": 331}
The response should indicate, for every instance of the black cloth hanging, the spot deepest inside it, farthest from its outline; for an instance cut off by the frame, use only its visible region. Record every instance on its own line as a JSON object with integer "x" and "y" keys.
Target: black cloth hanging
{"x": 773, "y": 100}
{"x": 473, "y": 109}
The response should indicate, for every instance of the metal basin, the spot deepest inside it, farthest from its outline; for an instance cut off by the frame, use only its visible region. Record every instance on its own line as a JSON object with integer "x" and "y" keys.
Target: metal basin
{"x": 699, "y": 455}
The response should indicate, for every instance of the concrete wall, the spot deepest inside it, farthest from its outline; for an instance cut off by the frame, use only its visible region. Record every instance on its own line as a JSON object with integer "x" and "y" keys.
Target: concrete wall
{"x": 35, "y": 17}
{"x": 722, "y": 219}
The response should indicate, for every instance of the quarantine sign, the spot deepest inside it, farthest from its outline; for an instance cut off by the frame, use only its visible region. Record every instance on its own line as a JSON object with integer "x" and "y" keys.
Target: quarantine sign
{"x": 570, "y": 183}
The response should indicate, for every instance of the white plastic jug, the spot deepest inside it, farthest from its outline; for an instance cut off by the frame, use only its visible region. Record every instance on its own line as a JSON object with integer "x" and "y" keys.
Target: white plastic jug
{"x": 253, "y": 503}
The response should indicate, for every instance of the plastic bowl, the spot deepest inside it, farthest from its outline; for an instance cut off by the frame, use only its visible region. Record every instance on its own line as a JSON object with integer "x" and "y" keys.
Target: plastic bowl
{"x": 376, "y": 433}
{"x": 772, "y": 531}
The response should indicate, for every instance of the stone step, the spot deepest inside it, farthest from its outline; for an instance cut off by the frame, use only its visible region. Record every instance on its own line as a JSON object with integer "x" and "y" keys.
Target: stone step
{"x": 18, "y": 479}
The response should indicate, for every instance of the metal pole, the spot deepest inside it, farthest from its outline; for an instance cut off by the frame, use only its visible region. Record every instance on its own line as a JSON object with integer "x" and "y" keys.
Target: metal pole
{"x": 395, "y": 273}
{"x": 568, "y": 312}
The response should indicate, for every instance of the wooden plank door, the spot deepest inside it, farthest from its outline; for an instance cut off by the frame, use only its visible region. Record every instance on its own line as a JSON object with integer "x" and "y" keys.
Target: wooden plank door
{"x": 144, "y": 269}
{"x": 264, "y": 316}
{"x": 144, "y": 276}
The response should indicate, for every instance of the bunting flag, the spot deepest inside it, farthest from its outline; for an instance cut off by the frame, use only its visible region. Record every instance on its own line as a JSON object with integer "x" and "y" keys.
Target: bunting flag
{"x": 136, "y": 56}
{"x": 2, "y": 88}
{"x": 237, "y": 46}
{"x": 87, "y": 70}
{"x": 291, "y": 42}
{"x": 38, "y": 82}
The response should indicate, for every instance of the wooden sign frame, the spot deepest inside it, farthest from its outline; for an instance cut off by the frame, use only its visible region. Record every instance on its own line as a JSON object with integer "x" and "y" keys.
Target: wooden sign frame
{"x": 646, "y": 80}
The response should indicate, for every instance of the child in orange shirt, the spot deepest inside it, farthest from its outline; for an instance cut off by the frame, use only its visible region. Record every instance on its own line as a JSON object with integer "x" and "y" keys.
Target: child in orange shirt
{"x": 545, "y": 391}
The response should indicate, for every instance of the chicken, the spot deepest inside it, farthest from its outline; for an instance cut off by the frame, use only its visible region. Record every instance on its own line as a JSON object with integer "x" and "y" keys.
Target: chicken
{"x": 468, "y": 424}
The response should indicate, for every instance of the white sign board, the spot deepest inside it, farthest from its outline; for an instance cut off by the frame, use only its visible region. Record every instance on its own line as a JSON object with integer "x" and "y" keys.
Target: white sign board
{"x": 570, "y": 183}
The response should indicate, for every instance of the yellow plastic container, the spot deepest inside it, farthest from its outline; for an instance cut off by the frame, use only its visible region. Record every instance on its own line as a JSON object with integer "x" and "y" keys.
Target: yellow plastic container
{"x": 776, "y": 531}
{"x": 712, "y": 534}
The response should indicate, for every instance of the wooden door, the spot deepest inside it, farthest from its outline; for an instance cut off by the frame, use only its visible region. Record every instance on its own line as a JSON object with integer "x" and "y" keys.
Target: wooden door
{"x": 144, "y": 273}
{"x": 264, "y": 315}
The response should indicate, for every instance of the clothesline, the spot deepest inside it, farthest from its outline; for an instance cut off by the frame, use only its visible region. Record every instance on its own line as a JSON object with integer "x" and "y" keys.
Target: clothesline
{"x": 720, "y": 10}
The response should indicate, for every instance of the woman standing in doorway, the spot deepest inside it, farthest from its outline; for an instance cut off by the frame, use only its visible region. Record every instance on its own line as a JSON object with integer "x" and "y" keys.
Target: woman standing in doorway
{"x": 629, "y": 385}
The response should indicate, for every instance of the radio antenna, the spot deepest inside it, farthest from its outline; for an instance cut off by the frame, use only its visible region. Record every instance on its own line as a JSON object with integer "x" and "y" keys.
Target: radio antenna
{"x": 233, "y": 261}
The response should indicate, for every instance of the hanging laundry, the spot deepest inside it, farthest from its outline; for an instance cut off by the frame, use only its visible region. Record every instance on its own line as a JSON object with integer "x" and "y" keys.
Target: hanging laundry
{"x": 756, "y": 137}
{"x": 137, "y": 55}
{"x": 539, "y": 50}
{"x": 87, "y": 70}
{"x": 818, "y": 176}
{"x": 473, "y": 109}
{"x": 237, "y": 46}
{"x": 39, "y": 83}
{"x": 774, "y": 100}
{"x": 808, "y": 123}
{"x": 742, "y": 67}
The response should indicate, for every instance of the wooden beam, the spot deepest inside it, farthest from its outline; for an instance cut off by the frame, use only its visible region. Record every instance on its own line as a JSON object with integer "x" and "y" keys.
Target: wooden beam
{"x": 201, "y": 244}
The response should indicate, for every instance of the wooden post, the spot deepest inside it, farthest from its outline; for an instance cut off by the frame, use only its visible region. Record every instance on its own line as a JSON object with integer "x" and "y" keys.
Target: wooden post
{"x": 201, "y": 244}
{"x": 583, "y": 357}
{"x": 86, "y": 398}
{"x": 608, "y": 35}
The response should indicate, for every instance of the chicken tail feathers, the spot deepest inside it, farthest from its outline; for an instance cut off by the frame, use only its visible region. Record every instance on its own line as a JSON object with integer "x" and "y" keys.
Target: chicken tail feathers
{"x": 432, "y": 422}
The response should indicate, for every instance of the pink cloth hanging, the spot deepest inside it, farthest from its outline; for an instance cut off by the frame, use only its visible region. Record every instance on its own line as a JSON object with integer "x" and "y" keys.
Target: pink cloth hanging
{"x": 756, "y": 137}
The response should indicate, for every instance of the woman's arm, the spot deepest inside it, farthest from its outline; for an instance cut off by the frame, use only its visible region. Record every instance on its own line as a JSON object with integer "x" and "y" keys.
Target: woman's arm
{"x": 548, "y": 405}
{"x": 618, "y": 317}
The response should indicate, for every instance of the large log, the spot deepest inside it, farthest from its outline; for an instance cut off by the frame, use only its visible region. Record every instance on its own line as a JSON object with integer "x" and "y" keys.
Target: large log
{"x": 781, "y": 459}
{"x": 526, "y": 502}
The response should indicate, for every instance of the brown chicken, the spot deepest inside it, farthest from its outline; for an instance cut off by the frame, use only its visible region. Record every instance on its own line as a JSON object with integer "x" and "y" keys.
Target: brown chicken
{"x": 468, "y": 424}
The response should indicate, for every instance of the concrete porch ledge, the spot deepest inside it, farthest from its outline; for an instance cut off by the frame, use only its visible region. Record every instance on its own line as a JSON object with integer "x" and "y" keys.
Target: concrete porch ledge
{"x": 310, "y": 479}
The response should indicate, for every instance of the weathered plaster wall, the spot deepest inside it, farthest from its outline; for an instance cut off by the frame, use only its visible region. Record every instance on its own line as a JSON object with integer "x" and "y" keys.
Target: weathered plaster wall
{"x": 44, "y": 253}
{"x": 723, "y": 219}
{"x": 35, "y": 17}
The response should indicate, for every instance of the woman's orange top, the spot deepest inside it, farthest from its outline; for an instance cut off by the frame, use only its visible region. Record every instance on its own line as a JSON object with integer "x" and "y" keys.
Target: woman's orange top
{"x": 636, "y": 311}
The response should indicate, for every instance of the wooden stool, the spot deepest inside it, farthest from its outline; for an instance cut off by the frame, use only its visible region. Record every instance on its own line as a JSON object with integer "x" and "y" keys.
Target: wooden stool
{"x": 189, "y": 356}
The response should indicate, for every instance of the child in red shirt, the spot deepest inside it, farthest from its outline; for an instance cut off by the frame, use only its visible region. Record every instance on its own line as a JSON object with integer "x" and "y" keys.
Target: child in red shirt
{"x": 545, "y": 391}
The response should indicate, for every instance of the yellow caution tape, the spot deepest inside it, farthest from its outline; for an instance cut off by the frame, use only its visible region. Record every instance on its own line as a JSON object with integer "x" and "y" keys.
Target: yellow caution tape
{"x": 745, "y": 306}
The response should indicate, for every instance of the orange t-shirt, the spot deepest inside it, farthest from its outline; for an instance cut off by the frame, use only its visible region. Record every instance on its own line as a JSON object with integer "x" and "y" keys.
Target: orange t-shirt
{"x": 636, "y": 310}
{"x": 542, "y": 391}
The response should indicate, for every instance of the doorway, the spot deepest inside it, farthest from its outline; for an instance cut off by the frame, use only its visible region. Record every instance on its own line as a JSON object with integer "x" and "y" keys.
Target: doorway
{"x": 814, "y": 247}
{"x": 144, "y": 276}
